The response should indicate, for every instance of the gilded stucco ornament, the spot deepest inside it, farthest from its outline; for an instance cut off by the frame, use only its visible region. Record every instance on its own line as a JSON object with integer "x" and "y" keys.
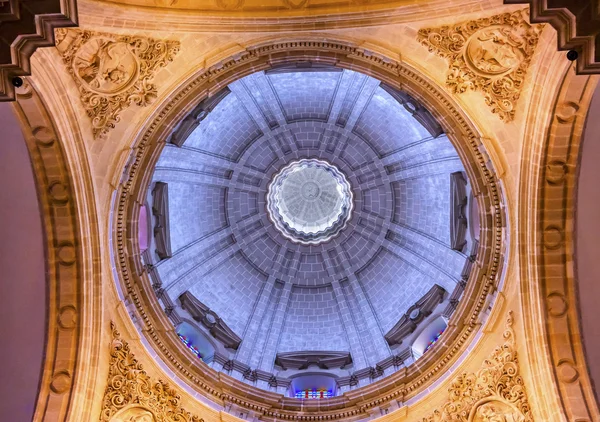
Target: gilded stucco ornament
{"x": 490, "y": 55}
{"x": 132, "y": 396}
{"x": 496, "y": 393}
{"x": 112, "y": 71}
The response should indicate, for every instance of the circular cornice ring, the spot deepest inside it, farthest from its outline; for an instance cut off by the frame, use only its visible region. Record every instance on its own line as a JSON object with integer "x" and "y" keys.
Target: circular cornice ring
{"x": 407, "y": 381}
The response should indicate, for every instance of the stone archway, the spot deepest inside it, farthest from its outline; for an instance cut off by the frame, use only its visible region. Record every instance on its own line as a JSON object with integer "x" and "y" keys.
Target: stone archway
{"x": 548, "y": 283}
{"x": 71, "y": 243}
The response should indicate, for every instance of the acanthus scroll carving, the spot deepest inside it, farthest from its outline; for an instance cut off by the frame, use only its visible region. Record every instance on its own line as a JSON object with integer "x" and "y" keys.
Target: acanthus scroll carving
{"x": 112, "y": 71}
{"x": 490, "y": 55}
{"x": 131, "y": 396}
{"x": 496, "y": 393}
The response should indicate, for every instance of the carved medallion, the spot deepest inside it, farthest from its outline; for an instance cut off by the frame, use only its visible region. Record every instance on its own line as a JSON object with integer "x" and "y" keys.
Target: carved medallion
{"x": 112, "y": 71}
{"x": 106, "y": 66}
{"x": 490, "y": 55}
{"x": 132, "y": 396}
{"x": 496, "y": 393}
{"x": 133, "y": 414}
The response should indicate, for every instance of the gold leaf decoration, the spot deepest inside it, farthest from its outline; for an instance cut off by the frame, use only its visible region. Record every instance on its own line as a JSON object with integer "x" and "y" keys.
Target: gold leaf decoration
{"x": 112, "y": 71}
{"x": 131, "y": 396}
{"x": 496, "y": 393}
{"x": 490, "y": 55}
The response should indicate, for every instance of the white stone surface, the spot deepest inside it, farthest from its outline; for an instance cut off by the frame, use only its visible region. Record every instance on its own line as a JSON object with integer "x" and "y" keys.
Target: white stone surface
{"x": 310, "y": 201}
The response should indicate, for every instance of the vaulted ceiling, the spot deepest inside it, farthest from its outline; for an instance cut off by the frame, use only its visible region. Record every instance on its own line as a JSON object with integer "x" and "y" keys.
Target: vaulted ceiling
{"x": 280, "y": 296}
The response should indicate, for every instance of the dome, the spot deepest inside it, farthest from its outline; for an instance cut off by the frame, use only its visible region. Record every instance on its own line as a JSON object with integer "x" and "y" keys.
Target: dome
{"x": 308, "y": 222}
{"x": 309, "y": 201}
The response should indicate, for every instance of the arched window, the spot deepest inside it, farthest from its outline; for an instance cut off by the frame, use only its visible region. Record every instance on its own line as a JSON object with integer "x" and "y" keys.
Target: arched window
{"x": 144, "y": 228}
{"x": 429, "y": 337}
{"x": 196, "y": 341}
{"x": 313, "y": 386}
{"x": 314, "y": 394}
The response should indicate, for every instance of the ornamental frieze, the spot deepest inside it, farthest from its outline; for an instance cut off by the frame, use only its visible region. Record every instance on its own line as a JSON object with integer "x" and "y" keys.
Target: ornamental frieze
{"x": 132, "y": 396}
{"x": 496, "y": 393}
{"x": 112, "y": 71}
{"x": 490, "y": 55}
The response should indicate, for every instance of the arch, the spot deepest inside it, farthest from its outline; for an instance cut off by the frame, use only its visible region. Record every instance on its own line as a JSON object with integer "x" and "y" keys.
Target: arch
{"x": 546, "y": 228}
{"x": 71, "y": 245}
{"x": 22, "y": 265}
{"x": 484, "y": 279}
{"x": 422, "y": 341}
{"x": 587, "y": 232}
{"x": 198, "y": 339}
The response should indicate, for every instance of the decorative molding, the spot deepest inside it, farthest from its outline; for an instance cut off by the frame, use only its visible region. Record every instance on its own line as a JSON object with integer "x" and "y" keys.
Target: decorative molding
{"x": 67, "y": 248}
{"x": 495, "y": 393}
{"x": 217, "y": 327}
{"x": 302, "y": 66}
{"x": 26, "y": 26}
{"x": 192, "y": 121}
{"x": 458, "y": 210}
{"x": 490, "y": 55}
{"x": 304, "y": 359}
{"x": 576, "y": 22}
{"x": 131, "y": 395}
{"x": 346, "y": 55}
{"x": 160, "y": 209}
{"x": 112, "y": 71}
{"x": 462, "y": 283}
{"x": 415, "y": 314}
{"x": 420, "y": 113}
{"x": 551, "y": 290}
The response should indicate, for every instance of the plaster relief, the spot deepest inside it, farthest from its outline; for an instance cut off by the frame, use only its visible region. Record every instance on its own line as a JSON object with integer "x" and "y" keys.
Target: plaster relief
{"x": 134, "y": 414}
{"x": 132, "y": 396}
{"x": 496, "y": 393}
{"x": 112, "y": 71}
{"x": 490, "y": 55}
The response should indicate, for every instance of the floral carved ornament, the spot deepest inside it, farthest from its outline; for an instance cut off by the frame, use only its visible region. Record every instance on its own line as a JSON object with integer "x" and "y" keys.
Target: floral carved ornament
{"x": 496, "y": 393}
{"x": 112, "y": 71}
{"x": 131, "y": 396}
{"x": 490, "y": 55}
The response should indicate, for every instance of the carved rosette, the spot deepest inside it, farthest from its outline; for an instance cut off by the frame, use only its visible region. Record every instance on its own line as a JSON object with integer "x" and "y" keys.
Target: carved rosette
{"x": 112, "y": 71}
{"x": 496, "y": 393}
{"x": 490, "y": 55}
{"x": 131, "y": 396}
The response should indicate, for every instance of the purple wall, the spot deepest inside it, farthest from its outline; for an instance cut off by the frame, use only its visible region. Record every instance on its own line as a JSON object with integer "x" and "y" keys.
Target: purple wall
{"x": 587, "y": 245}
{"x": 22, "y": 276}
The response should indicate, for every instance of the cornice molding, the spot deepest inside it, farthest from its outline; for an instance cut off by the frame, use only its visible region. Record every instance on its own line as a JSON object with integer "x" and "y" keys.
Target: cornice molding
{"x": 203, "y": 314}
{"x": 304, "y": 359}
{"x": 404, "y": 383}
{"x": 17, "y": 16}
{"x": 574, "y": 21}
{"x": 415, "y": 315}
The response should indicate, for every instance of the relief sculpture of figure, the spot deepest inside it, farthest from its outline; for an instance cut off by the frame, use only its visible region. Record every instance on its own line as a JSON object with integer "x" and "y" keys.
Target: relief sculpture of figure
{"x": 490, "y": 412}
{"x": 134, "y": 414}
{"x": 104, "y": 65}
{"x": 494, "y": 52}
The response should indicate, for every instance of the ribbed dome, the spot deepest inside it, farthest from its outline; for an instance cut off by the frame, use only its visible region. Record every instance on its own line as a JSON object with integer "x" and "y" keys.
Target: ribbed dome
{"x": 274, "y": 293}
{"x": 309, "y": 201}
